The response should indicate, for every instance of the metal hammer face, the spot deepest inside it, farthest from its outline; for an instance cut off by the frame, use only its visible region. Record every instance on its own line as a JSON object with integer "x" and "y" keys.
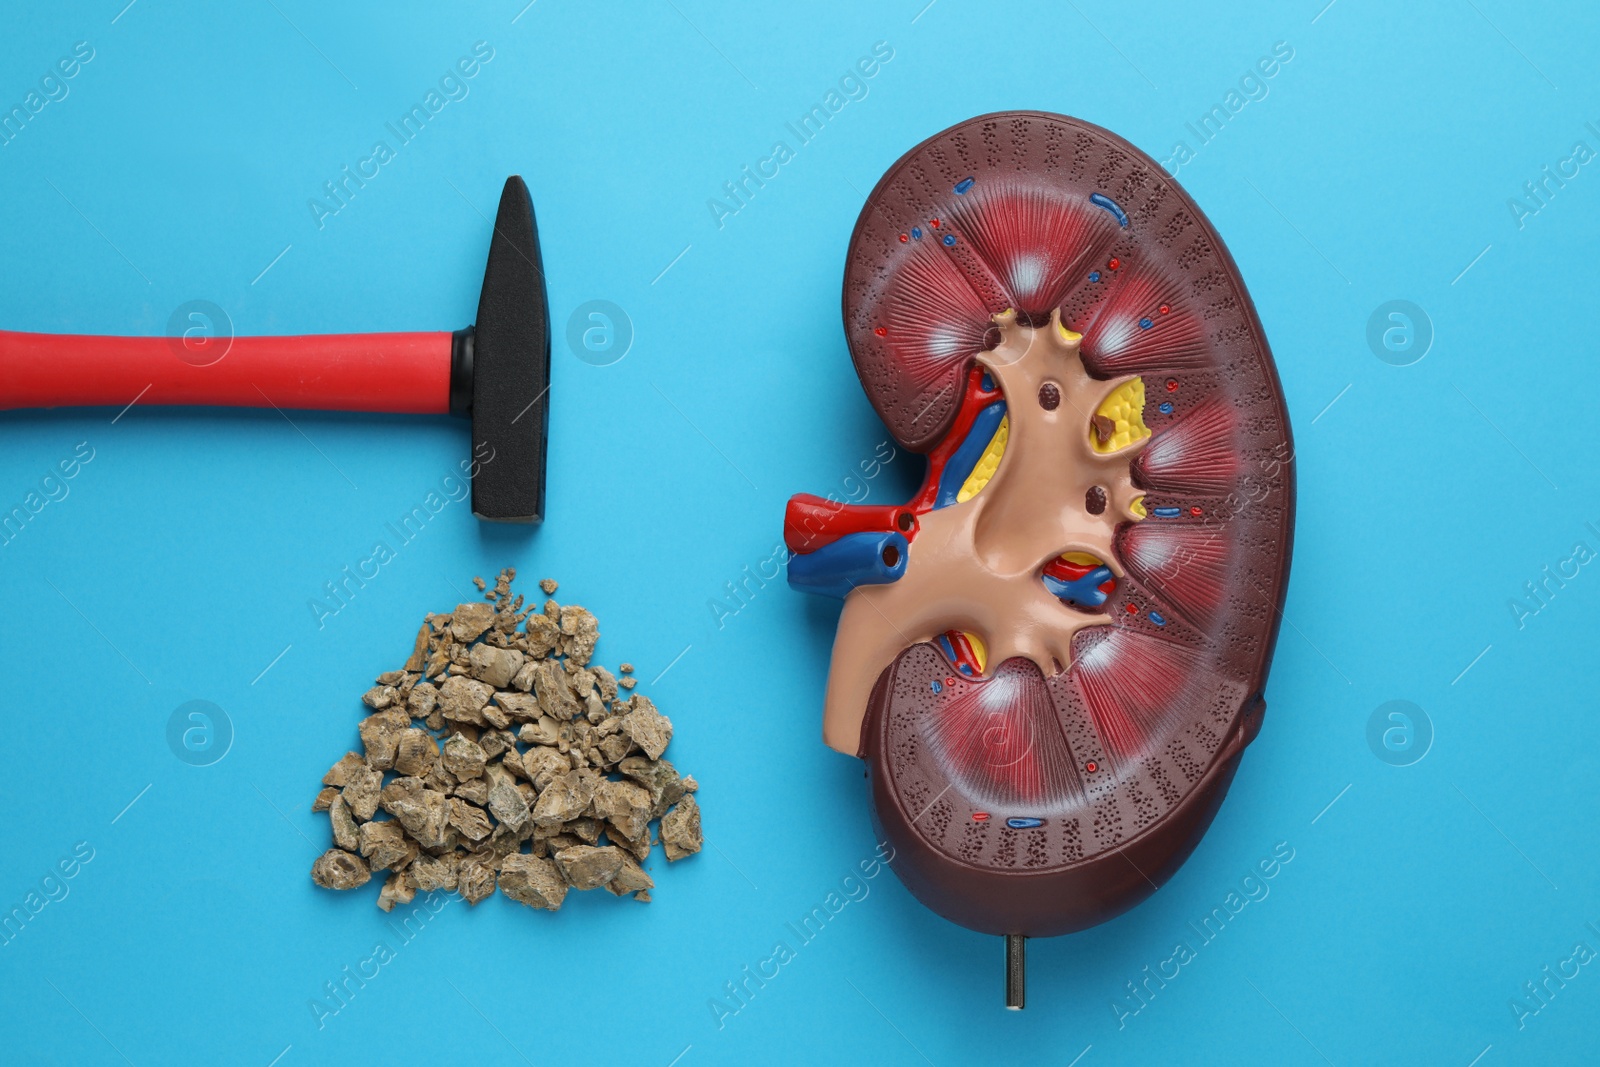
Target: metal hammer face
{"x": 500, "y": 368}
{"x": 496, "y": 372}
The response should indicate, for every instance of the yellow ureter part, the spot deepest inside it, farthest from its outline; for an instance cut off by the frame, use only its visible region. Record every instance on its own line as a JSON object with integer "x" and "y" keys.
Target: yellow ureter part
{"x": 1137, "y": 507}
{"x": 1124, "y": 407}
{"x": 979, "y": 652}
{"x": 987, "y": 463}
{"x": 1082, "y": 559}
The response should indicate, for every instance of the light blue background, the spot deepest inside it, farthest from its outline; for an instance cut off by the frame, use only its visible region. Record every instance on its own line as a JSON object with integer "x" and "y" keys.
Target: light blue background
{"x": 1378, "y": 167}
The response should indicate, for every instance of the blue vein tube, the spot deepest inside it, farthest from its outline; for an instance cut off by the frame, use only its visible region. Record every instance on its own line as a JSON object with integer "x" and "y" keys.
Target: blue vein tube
{"x": 852, "y": 560}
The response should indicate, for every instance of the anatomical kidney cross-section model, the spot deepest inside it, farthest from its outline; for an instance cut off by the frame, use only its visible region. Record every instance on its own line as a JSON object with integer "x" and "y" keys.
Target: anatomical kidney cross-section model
{"x": 1053, "y": 656}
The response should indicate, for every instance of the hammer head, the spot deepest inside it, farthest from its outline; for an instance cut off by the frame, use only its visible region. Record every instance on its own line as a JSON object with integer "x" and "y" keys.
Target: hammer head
{"x": 501, "y": 372}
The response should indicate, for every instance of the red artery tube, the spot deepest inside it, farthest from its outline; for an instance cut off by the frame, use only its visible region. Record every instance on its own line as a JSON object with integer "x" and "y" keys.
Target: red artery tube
{"x": 396, "y": 372}
{"x": 810, "y": 521}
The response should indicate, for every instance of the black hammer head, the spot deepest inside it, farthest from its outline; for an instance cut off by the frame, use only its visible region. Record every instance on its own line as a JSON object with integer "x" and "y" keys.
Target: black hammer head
{"x": 501, "y": 369}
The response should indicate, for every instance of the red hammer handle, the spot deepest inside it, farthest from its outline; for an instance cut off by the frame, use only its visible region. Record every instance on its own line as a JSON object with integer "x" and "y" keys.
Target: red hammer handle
{"x": 397, "y": 372}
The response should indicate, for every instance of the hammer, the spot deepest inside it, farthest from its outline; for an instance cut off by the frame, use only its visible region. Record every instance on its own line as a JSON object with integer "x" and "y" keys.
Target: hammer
{"x": 496, "y": 372}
